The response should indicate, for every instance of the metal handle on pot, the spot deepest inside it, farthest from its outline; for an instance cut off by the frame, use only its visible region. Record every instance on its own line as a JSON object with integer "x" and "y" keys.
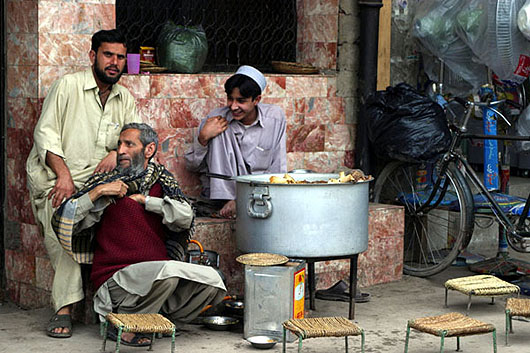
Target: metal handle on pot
{"x": 260, "y": 197}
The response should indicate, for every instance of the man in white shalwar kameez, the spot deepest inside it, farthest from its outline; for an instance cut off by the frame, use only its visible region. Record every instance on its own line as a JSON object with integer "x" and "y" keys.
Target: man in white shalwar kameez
{"x": 76, "y": 135}
{"x": 140, "y": 221}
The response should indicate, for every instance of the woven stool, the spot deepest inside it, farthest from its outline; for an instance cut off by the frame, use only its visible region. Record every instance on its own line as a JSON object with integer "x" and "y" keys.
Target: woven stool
{"x": 322, "y": 327}
{"x": 138, "y": 323}
{"x": 515, "y": 307}
{"x": 450, "y": 325}
{"x": 480, "y": 285}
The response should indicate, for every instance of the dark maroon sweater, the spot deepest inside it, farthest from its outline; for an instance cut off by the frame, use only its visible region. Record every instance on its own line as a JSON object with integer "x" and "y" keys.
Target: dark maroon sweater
{"x": 127, "y": 234}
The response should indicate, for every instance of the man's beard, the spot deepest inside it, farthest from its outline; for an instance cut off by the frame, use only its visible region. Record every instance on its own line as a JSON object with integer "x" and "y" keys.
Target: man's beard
{"x": 135, "y": 167}
{"x": 103, "y": 77}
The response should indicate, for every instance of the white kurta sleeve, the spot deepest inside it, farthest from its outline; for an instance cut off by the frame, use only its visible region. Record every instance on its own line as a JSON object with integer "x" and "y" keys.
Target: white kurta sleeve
{"x": 176, "y": 215}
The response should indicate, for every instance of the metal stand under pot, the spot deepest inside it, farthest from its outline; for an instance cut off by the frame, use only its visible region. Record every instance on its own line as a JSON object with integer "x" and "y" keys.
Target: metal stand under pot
{"x": 353, "y": 279}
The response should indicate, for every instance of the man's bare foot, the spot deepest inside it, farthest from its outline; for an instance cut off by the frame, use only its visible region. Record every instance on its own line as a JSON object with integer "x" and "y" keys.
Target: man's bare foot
{"x": 228, "y": 210}
{"x": 129, "y": 337}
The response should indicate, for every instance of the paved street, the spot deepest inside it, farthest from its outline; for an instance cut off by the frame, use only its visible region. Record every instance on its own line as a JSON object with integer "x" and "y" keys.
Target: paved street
{"x": 384, "y": 319}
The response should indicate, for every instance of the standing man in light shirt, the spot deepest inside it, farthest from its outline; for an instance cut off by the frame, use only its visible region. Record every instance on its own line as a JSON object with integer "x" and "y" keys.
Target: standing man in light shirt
{"x": 244, "y": 137}
{"x": 75, "y": 137}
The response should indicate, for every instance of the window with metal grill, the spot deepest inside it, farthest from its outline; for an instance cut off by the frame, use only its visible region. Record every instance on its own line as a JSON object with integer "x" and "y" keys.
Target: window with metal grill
{"x": 239, "y": 32}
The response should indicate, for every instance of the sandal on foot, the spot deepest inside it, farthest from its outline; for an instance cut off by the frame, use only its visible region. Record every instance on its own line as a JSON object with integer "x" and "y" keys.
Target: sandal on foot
{"x": 112, "y": 334}
{"x": 59, "y": 321}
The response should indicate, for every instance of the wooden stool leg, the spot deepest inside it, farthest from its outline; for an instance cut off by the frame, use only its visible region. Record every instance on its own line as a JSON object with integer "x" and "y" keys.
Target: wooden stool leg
{"x": 346, "y": 343}
{"x": 442, "y": 341}
{"x": 284, "y": 339}
{"x": 494, "y": 333}
{"x": 446, "y": 290}
{"x": 492, "y": 301}
{"x": 103, "y": 330}
{"x": 407, "y": 338}
{"x": 458, "y": 344}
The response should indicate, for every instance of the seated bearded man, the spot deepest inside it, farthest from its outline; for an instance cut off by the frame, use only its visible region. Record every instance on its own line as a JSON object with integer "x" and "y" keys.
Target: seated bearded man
{"x": 139, "y": 221}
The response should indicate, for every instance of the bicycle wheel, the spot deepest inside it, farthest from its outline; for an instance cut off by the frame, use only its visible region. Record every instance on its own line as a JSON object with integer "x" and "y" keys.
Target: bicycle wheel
{"x": 433, "y": 238}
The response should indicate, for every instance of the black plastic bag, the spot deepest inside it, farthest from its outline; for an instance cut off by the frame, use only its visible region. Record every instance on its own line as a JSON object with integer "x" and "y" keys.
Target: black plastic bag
{"x": 405, "y": 125}
{"x": 182, "y": 48}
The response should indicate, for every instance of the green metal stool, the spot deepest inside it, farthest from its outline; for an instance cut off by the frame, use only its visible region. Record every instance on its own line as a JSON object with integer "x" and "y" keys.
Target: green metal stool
{"x": 450, "y": 325}
{"x": 322, "y": 327}
{"x": 480, "y": 285}
{"x": 138, "y": 323}
{"x": 515, "y": 307}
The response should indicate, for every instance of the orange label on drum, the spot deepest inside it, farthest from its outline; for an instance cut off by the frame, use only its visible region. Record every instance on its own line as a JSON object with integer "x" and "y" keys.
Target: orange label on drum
{"x": 299, "y": 294}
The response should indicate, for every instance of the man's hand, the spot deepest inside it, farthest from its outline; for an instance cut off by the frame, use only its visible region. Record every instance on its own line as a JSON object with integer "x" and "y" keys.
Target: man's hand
{"x": 228, "y": 210}
{"x": 64, "y": 184}
{"x": 117, "y": 188}
{"x": 211, "y": 128}
{"x": 138, "y": 198}
{"x": 108, "y": 163}
{"x": 63, "y": 189}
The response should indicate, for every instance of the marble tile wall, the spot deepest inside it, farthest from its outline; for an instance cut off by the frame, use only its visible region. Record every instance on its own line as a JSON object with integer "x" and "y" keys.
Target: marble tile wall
{"x": 382, "y": 262}
{"x": 47, "y": 39}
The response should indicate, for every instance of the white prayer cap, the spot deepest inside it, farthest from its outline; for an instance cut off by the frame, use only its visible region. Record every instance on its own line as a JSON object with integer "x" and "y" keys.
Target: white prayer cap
{"x": 254, "y": 74}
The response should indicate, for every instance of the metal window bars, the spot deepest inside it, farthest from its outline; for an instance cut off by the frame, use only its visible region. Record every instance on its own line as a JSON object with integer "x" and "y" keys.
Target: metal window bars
{"x": 238, "y": 31}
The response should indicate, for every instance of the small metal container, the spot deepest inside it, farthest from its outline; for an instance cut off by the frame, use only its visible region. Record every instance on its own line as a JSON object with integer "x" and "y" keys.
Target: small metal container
{"x": 234, "y": 307}
{"x": 262, "y": 342}
{"x": 219, "y": 323}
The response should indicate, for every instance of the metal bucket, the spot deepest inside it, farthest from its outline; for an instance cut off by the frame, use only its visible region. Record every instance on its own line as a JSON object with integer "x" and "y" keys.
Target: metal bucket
{"x": 301, "y": 220}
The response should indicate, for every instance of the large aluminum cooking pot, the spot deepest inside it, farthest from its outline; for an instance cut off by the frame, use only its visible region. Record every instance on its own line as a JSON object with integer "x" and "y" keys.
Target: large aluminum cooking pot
{"x": 301, "y": 220}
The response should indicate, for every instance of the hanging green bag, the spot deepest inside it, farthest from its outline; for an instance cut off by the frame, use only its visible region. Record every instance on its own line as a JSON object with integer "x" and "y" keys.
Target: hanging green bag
{"x": 182, "y": 48}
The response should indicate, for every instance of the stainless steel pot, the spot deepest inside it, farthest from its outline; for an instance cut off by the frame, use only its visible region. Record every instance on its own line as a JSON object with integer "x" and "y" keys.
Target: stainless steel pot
{"x": 301, "y": 220}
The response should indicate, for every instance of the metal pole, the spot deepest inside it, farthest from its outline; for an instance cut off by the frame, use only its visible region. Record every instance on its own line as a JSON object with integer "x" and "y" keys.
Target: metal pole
{"x": 369, "y": 38}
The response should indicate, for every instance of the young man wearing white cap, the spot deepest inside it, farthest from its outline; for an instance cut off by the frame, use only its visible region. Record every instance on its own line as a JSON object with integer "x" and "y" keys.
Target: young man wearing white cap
{"x": 243, "y": 137}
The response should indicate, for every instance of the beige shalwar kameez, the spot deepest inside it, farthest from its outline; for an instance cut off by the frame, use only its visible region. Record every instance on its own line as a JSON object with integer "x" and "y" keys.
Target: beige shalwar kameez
{"x": 75, "y": 126}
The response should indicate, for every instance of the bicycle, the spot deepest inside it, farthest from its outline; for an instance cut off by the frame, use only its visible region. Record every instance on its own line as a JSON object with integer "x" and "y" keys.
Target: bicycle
{"x": 440, "y": 213}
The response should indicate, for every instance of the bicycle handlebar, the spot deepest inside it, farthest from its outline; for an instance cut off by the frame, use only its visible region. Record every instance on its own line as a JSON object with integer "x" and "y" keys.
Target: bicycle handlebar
{"x": 488, "y": 105}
